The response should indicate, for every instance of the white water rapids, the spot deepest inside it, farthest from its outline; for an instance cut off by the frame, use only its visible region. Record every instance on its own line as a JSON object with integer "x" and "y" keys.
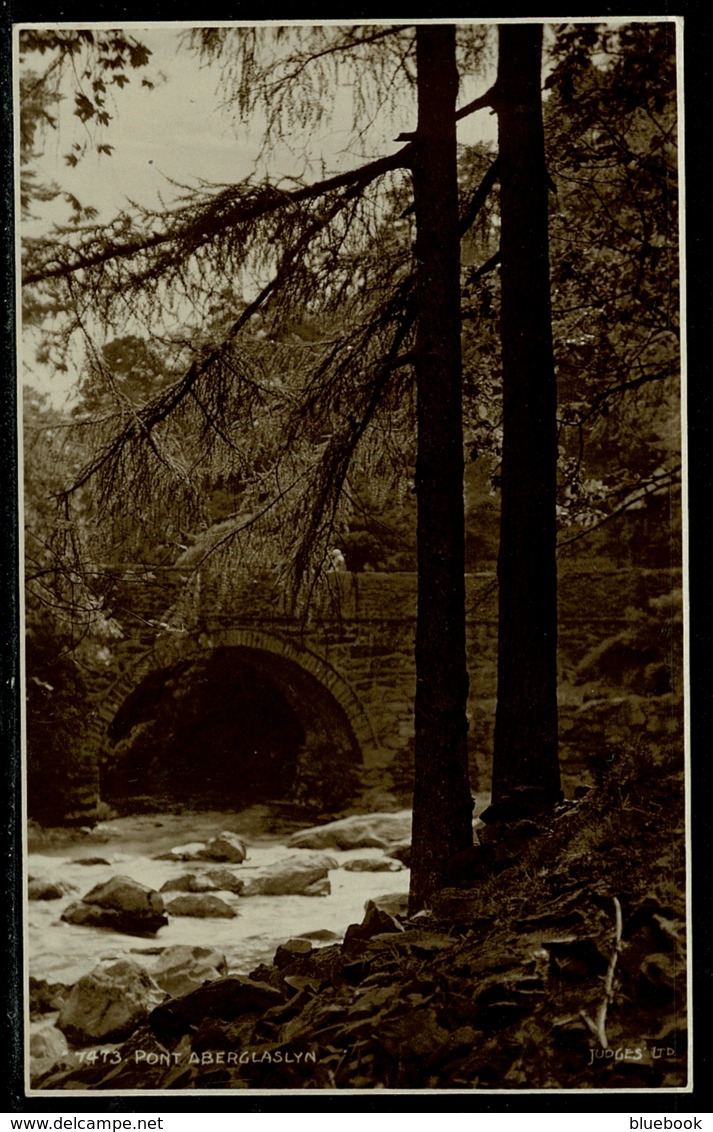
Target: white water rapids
{"x": 61, "y": 952}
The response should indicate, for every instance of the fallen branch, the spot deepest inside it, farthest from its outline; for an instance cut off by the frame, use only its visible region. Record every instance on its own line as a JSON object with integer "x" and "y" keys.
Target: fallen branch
{"x": 598, "y": 1028}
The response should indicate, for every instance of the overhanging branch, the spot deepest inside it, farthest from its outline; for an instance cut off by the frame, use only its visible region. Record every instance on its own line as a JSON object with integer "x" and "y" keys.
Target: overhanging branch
{"x": 623, "y": 387}
{"x": 156, "y": 411}
{"x": 652, "y": 486}
{"x": 225, "y": 212}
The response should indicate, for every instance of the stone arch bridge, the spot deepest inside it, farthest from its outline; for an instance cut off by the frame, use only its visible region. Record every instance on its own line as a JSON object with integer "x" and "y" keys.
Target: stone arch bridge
{"x": 267, "y": 698}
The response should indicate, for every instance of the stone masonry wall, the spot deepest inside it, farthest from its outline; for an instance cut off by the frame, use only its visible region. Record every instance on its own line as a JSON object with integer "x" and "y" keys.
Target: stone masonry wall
{"x": 360, "y": 643}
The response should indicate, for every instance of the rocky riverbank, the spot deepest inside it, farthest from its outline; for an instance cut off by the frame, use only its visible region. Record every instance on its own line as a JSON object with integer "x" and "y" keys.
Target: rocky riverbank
{"x": 560, "y": 963}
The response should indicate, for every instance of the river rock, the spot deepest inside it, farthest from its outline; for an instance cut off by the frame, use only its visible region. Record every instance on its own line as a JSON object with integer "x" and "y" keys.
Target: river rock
{"x": 363, "y": 831}
{"x": 202, "y": 905}
{"x": 373, "y": 865}
{"x": 303, "y": 874}
{"x": 214, "y": 880}
{"x": 225, "y": 999}
{"x": 188, "y": 882}
{"x": 47, "y": 1045}
{"x": 42, "y": 888}
{"x": 394, "y": 903}
{"x": 121, "y": 904}
{"x": 376, "y": 922}
{"x": 225, "y": 847}
{"x": 189, "y": 852}
{"x": 45, "y": 998}
{"x": 182, "y": 969}
{"x": 321, "y": 935}
{"x": 291, "y": 950}
{"x": 109, "y": 1003}
{"x": 401, "y": 852}
{"x": 223, "y": 880}
{"x": 321, "y": 887}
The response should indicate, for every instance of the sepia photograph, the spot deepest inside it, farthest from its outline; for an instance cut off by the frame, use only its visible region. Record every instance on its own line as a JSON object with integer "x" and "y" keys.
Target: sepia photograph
{"x": 351, "y": 390}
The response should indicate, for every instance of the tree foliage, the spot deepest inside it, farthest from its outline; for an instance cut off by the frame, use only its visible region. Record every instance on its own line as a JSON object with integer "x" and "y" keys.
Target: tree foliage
{"x": 613, "y": 149}
{"x": 252, "y": 349}
{"x": 67, "y": 630}
{"x": 610, "y": 111}
{"x": 98, "y": 61}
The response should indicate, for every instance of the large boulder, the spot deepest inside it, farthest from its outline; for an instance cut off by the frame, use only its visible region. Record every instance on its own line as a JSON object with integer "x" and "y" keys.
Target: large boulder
{"x": 363, "y": 831}
{"x": 203, "y": 905}
{"x": 224, "y": 880}
{"x": 225, "y": 847}
{"x": 109, "y": 1003}
{"x": 214, "y": 880}
{"x": 121, "y": 904}
{"x": 302, "y": 874}
{"x": 182, "y": 969}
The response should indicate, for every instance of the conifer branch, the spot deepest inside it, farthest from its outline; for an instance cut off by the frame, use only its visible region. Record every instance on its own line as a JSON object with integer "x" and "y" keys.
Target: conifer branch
{"x": 237, "y": 205}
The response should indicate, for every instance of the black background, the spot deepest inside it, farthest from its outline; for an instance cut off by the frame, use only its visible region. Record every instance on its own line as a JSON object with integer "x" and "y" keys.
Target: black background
{"x": 698, "y": 77}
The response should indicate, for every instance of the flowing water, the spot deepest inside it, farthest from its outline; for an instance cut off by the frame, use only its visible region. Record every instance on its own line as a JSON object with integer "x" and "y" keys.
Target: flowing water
{"x": 61, "y": 952}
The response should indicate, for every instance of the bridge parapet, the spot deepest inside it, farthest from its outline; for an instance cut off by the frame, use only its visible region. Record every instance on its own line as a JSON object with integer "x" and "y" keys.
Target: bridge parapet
{"x": 151, "y": 595}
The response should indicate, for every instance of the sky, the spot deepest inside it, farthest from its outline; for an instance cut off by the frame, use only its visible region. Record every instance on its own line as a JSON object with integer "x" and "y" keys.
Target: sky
{"x": 175, "y": 131}
{"x": 179, "y": 132}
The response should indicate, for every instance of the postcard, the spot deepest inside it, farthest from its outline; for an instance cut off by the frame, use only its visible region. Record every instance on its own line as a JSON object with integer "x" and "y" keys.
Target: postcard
{"x": 354, "y": 606}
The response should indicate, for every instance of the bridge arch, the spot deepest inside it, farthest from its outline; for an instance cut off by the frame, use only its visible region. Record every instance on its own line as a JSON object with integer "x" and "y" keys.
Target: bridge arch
{"x": 270, "y": 717}
{"x": 324, "y": 672}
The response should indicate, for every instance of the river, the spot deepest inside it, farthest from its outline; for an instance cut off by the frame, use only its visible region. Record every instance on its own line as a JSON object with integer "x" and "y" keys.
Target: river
{"x": 61, "y": 952}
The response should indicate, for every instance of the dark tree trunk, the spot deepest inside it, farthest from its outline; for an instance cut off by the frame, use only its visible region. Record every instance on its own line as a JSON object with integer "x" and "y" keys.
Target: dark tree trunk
{"x": 442, "y": 806}
{"x": 526, "y": 765}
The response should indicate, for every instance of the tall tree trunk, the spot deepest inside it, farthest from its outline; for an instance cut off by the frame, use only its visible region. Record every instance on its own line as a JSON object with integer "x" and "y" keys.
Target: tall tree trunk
{"x": 442, "y": 805}
{"x": 526, "y": 765}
